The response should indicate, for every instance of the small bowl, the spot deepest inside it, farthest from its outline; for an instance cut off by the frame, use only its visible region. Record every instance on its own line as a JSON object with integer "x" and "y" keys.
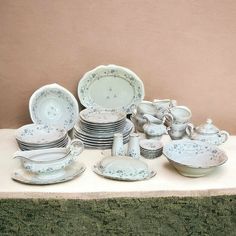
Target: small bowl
{"x": 194, "y": 158}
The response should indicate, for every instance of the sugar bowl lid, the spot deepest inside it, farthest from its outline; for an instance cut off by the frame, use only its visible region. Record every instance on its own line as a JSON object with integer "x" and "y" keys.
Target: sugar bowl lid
{"x": 207, "y": 128}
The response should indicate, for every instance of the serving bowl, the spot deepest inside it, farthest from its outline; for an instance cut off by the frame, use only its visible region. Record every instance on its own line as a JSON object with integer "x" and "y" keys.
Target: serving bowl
{"x": 194, "y": 158}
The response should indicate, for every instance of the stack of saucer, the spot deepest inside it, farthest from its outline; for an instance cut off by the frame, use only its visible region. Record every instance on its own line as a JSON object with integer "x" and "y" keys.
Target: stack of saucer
{"x": 96, "y": 128}
{"x": 34, "y": 137}
{"x": 150, "y": 148}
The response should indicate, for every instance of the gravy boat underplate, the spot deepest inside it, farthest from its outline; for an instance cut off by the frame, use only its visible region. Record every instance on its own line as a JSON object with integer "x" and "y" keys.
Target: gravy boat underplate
{"x": 49, "y": 160}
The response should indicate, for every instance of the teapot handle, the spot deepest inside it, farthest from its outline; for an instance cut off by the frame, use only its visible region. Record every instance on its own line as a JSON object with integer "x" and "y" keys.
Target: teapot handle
{"x": 189, "y": 129}
{"x": 224, "y": 136}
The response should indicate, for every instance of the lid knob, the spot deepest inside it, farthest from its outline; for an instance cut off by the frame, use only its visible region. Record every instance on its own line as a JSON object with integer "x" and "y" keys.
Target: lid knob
{"x": 209, "y": 121}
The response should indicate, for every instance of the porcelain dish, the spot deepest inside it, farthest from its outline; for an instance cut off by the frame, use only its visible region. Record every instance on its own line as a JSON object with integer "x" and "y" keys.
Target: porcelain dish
{"x": 150, "y": 148}
{"x": 123, "y": 168}
{"x": 111, "y": 87}
{"x": 49, "y": 160}
{"x": 54, "y": 105}
{"x": 101, "y": 116}
{"x": 70, "y": 172}
{"x": 207, "y": 132}
{"x": 194, "y": 158}
{"x": 39, "y": 134}
{"x": 95, "y": 140}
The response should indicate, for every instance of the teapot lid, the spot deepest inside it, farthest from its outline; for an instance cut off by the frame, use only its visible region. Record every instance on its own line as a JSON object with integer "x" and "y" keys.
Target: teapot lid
{"x": 207, "y": 128}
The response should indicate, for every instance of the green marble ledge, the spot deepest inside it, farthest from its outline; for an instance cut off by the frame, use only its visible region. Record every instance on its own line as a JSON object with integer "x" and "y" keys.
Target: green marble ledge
{"x": 120, "y": 216}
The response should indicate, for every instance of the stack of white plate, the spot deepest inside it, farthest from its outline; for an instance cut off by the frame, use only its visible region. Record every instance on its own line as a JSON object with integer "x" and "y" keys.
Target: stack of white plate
{"x": 150, "y": 148}
{"x": 97, "y": 128}
{"x": 34, "y": 137}
{"x": 100, "y": 121}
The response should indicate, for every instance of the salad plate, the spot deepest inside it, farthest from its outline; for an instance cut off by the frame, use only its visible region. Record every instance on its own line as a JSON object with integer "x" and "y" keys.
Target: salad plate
{"x": 23, "y": 176}
{"x": 54, "y": 105}
{"x": 194, "y": 158}
{"x": 111, "y": 87}
{"x": 123, "y": 168}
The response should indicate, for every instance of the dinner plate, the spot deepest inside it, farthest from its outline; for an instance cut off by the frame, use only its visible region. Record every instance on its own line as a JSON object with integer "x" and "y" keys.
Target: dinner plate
{"x": 69, "y": 173}
{"x": 111, "y": 87}
{"x": 54, "y": 105}
{"x": 127, "y": 129}
{"x": 101, "y": 116}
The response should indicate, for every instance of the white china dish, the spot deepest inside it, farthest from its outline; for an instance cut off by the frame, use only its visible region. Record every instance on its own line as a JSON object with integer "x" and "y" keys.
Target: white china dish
{"x": 39, "y": 134}
{"x": 150, "y": 144}
{"x": 194, "y": 158}
{"x": 111, "y": 87}
{"x": 207, "y": 132}
{"x": 54, "y": 105}
{"x": 127, "y": 129}
{"x": 123, "y": 168}
{"x": 101, "y": 116}
{"x": 62, "y": 143}
{"x": 70, "y": 172}
{"x": 49, "y": 160}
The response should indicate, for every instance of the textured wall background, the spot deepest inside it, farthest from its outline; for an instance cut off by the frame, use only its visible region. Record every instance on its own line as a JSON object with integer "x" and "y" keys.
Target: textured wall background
{"x": 183, "y": 49}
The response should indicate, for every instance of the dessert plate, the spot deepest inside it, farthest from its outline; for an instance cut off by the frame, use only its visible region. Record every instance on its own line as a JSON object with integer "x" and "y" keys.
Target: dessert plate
{"x": 69, "y": 173}
{"x": 111, "y": 87}
{"x": 123, "y": 168}
{"x": 54, "y": 105}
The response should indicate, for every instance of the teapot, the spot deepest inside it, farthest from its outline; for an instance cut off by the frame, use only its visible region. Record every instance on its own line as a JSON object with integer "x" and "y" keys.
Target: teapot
{"x": 154, "y": 127}
{"x": 208, "y": 133}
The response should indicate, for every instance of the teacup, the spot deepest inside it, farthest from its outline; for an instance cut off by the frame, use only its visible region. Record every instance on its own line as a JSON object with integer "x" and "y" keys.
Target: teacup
{"x": 179, "y": 115}
{"x": 145, "y": 107}
{"x": 177, "y": 131}
{"x": 163, "y": 106}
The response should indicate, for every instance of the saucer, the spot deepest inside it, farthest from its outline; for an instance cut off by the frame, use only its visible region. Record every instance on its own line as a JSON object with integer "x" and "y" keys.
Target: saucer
{"x": 23, "y": 176}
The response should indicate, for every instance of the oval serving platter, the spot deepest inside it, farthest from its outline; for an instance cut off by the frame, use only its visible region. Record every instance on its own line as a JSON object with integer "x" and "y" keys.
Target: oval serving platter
{"x": 111, "y": 87}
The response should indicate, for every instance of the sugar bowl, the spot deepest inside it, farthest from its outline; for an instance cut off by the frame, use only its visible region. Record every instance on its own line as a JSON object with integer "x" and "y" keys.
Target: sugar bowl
{"x": 208, "y": 133}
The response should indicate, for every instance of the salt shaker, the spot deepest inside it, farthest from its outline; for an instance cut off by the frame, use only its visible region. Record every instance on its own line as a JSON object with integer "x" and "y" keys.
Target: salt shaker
{"x": 133, "y": 146}
{"x": 118, "y": 146}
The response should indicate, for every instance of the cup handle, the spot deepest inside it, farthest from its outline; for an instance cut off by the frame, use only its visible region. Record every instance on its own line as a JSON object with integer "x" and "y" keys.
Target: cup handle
{"x": 189, "y": 129}
{"x": 224, "y": 136}
{"x": 76, "y": 147}
{"x": 169, "y": 117}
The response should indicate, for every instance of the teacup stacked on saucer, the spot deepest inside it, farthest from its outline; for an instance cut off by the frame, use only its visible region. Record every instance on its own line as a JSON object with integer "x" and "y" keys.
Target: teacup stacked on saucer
{"x": 96, "y": 128}
{"x": 150, "y": 148}
{"x": 179, "y": 119}
{"x": 35, "y": 137}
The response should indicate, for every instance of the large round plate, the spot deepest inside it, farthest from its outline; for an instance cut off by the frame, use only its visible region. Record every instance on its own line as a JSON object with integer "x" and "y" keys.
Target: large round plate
{"x": 54, "y": 105}
{"x": 101, "y": 117}
{"x": 111, "y": 87}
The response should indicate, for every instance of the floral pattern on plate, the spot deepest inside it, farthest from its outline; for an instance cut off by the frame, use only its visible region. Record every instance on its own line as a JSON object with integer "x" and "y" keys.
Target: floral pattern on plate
{"x": 111, "y": 87}
{"x": 54, "y": 105}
